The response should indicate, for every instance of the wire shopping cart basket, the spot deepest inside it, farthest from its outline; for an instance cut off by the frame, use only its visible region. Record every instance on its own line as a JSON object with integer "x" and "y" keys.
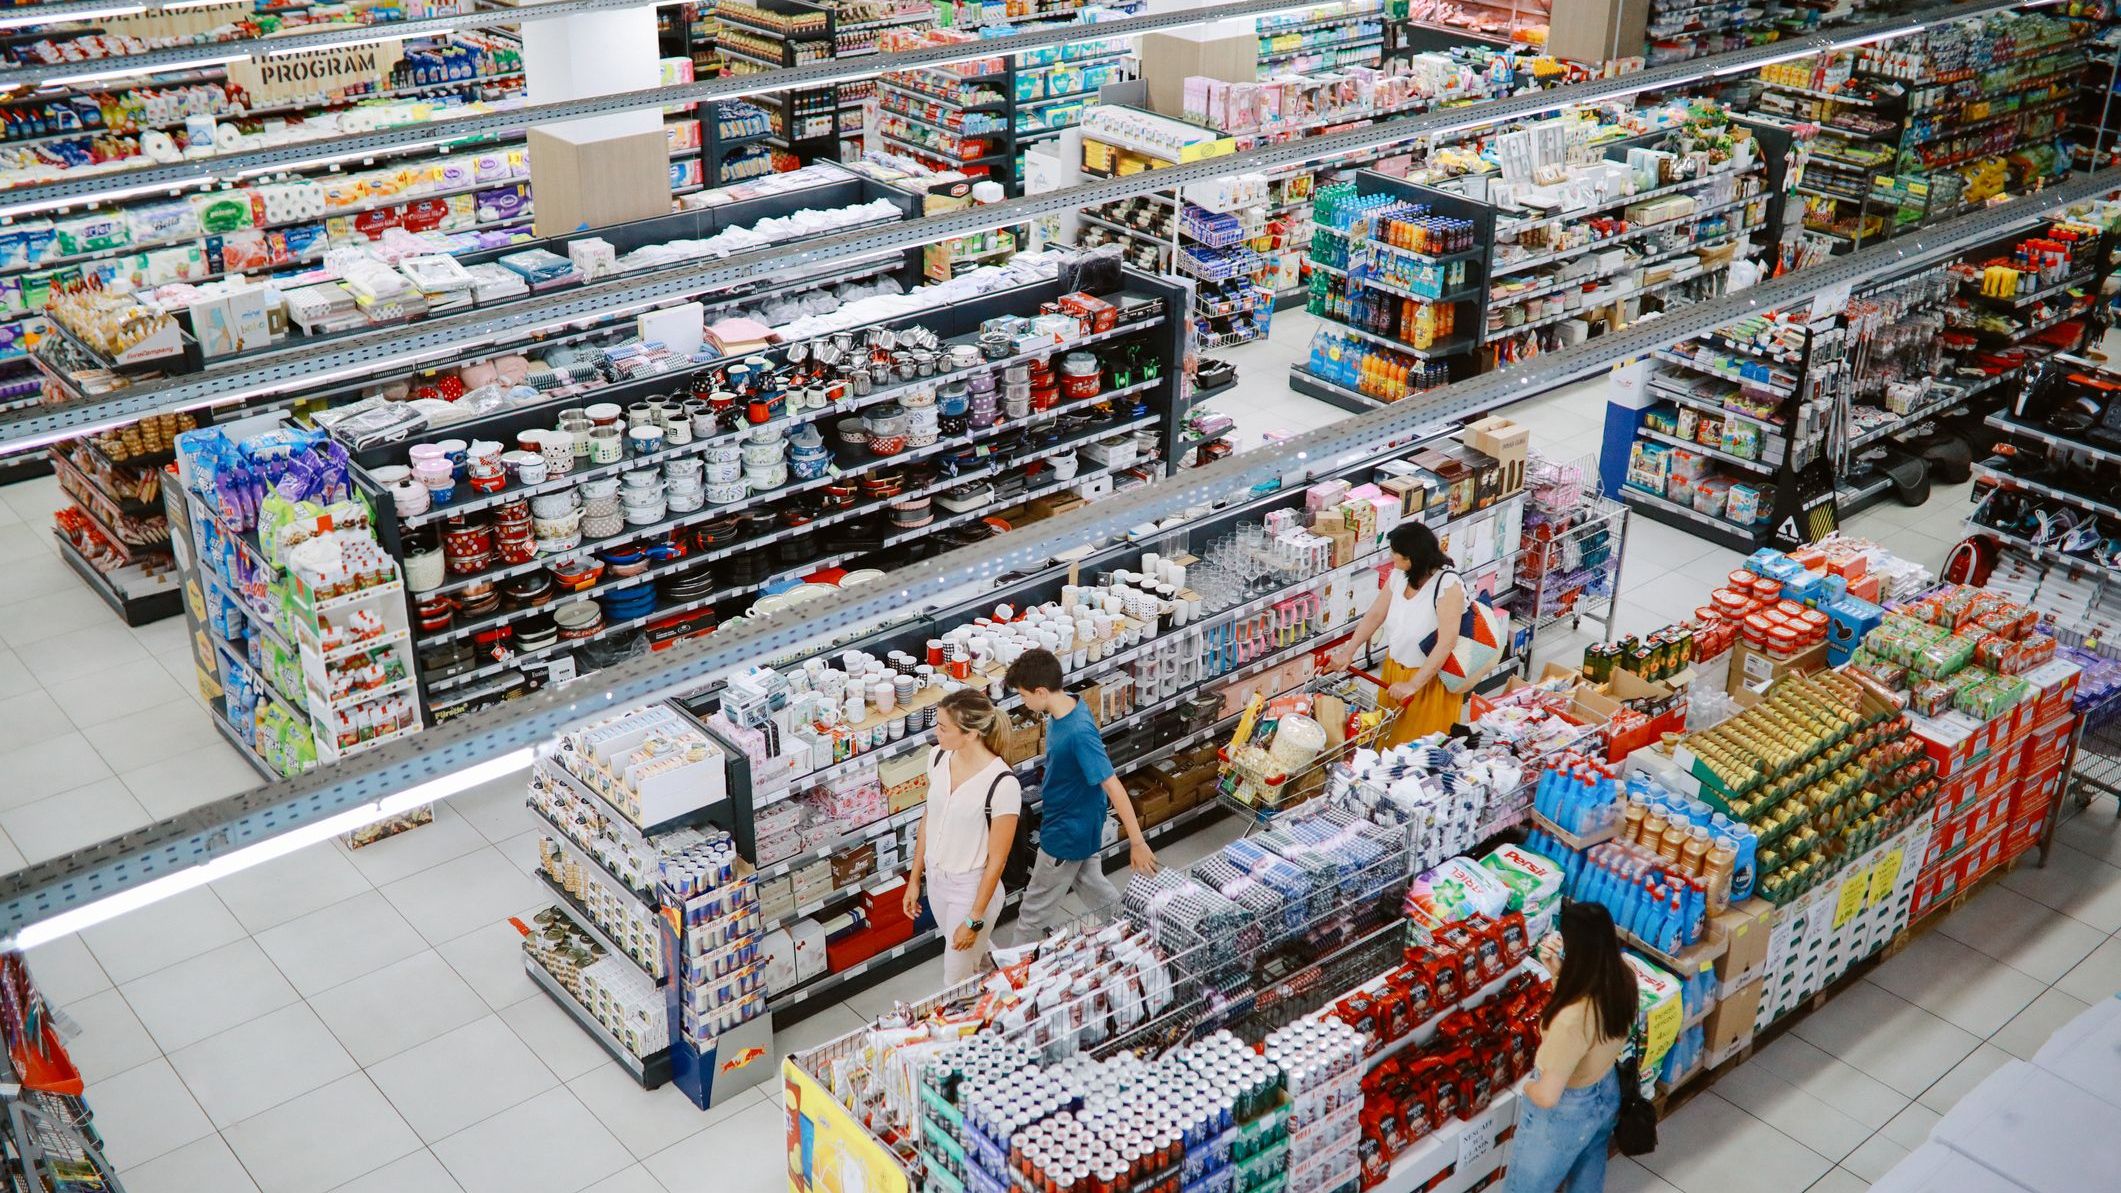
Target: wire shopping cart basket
{"x": 1282, "y": 748}
{"x": 2096, "y": 757}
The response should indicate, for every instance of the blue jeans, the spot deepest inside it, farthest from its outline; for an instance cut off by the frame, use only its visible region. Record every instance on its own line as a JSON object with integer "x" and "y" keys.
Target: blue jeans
{"x": 1564, "y": 1148}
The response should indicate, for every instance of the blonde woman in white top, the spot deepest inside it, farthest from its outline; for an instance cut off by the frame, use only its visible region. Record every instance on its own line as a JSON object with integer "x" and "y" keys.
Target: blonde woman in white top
{"x": 965, "y": 832}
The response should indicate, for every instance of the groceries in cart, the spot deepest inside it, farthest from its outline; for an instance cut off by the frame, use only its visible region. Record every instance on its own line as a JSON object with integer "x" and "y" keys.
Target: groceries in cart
{"x": 1278, "y": 754}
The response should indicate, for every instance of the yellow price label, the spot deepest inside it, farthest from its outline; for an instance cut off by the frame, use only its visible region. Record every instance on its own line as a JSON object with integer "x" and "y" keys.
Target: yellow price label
{"x": 1883, "y": 875}
{"x": 1659, "y": 1030}
{"x": 1851, "y": 901}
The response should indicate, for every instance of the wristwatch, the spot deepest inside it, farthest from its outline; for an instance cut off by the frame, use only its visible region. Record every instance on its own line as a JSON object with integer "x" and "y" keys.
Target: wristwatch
{"x": 975, "y": 925}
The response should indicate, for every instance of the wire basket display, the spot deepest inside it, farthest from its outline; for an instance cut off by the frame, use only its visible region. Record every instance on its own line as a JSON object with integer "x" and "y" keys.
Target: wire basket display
{"x": 1214, "y": 265}
{"x": 1279, "y": 754}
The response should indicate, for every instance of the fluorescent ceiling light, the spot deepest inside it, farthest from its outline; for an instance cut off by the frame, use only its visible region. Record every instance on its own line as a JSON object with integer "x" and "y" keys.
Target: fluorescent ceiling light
{"x": 152, "y": 68}
{"x": 134, "y": 898}
{"x": 15, "y": 18}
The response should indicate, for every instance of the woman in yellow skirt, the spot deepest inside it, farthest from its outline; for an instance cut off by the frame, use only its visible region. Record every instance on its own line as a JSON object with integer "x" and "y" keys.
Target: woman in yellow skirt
{"x": 1424, "y": 598}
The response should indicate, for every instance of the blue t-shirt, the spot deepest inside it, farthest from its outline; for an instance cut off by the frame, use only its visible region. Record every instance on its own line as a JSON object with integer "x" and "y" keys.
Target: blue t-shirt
{"x": 1073, "y": 807}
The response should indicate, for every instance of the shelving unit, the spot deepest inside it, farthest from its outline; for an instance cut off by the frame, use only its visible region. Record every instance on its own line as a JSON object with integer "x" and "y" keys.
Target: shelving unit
{"x": 1150, "y": 732}
{"x": 707, "y": 1004}
{"x": 2052, "y": 477}
{"x": 114, "y": 534}
{"x": 1671, "y": 261}
{"x": 793, "y": 531}
{"x": 1886, "y": 161}
{"x": 1739, "y": 414}
{"x": 1350, "y": 284}
{"x": 291, "y": 688}
{"x": 948, "y": 119}
{"x": 758, "y": 36}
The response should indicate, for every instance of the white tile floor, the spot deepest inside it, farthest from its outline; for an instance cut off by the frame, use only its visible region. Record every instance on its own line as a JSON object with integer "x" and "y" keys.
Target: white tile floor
{"x": 359, "y": 1020}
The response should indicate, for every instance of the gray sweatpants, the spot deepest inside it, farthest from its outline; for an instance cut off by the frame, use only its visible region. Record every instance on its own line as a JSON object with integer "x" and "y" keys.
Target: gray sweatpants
{"x": 1051, "y": 880}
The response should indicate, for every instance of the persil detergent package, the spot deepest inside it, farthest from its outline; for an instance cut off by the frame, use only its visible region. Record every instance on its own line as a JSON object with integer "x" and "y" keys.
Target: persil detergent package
{"x": 1534, "y": 882}
{"x": 1449, "y": 893}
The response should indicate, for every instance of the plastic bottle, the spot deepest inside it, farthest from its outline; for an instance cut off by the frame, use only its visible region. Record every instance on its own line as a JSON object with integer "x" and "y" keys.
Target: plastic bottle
{"x": 1716, "y": 873}
{"x": 1694, "y": 851}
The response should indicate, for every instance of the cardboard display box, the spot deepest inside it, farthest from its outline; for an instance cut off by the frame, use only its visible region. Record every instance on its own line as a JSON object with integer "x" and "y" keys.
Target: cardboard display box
{"x": 591, "y": 184}
{"x": 1754, "y": 670}
{"x": 1730, "y": 1021}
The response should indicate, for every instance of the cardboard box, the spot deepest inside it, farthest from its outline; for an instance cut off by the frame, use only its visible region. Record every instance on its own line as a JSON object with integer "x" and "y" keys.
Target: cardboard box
{"x": 597, "y": 183}
{"x": 1756, "y": 670}
{"x": 1746, "y": 927}
{"x": 1169, "y": 59}
{"x": 2048, "y": 744}
{"x": 1597, "y": 30}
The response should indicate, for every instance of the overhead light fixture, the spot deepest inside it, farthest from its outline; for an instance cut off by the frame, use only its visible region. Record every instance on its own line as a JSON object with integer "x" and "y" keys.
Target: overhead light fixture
{"x": 118, "y": 903}
{"x": 151, "y": 68}
{"x": 16, "y": 18}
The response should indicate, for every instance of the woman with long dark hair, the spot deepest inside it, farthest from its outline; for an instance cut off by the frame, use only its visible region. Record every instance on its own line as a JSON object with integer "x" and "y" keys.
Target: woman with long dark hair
{"x": 1420, "y": 610}
{"x": 1573, "y": 1097}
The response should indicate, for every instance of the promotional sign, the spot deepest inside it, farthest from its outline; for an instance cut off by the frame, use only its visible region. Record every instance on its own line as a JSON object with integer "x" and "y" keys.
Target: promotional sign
{"x": 284, "y": 78}
{"x": 828, "y": 1151}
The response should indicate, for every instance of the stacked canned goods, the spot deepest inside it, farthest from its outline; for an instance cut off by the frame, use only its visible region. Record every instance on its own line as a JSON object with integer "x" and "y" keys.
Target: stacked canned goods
{"x": 1321, "y": 1062}
{"x": 966, "y": 1076}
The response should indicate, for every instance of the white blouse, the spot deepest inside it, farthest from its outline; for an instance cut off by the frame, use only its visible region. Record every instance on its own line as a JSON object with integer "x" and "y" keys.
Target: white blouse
{"x": 1411, "y": 619}
{"x": 957, "y": 817}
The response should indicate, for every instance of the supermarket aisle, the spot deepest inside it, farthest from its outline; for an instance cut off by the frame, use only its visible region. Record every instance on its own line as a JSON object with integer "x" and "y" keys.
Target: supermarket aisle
{"x": 359, "y": 1020}
{"x": 101, "y": 727}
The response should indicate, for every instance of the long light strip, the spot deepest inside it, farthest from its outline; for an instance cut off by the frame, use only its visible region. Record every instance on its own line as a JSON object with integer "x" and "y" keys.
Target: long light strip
{"x": 133, "y": 898}
{"x": 17, "y": 18}
{"x": 371, "y": 352}
{"x": 42, "y": 893}
{"x": 63, "y": 193}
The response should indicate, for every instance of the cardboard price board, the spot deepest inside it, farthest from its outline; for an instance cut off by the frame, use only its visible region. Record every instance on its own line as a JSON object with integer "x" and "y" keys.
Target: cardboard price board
{"x": 1883, "y": 875}
{"x": 1478, "y": 1138}
{"x": 1854, "y": 892}
{"x": 285, "y": 78}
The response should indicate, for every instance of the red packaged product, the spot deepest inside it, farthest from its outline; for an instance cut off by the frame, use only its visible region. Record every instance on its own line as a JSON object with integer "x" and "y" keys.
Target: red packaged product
{"x": 1412, "y": 988}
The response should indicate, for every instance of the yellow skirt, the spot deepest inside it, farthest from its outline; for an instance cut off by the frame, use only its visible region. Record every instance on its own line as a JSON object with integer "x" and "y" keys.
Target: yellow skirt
{"x": 1434, "y": 709}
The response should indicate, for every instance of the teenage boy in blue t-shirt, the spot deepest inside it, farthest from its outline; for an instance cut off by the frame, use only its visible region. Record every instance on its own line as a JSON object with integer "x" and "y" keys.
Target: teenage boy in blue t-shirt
{"x": 1079, "y": 783}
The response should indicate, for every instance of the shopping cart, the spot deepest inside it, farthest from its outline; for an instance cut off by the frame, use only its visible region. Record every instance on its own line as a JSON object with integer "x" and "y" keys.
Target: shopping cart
{"x": 2095, "y": 756}
{"x": 1275, "y": 762}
